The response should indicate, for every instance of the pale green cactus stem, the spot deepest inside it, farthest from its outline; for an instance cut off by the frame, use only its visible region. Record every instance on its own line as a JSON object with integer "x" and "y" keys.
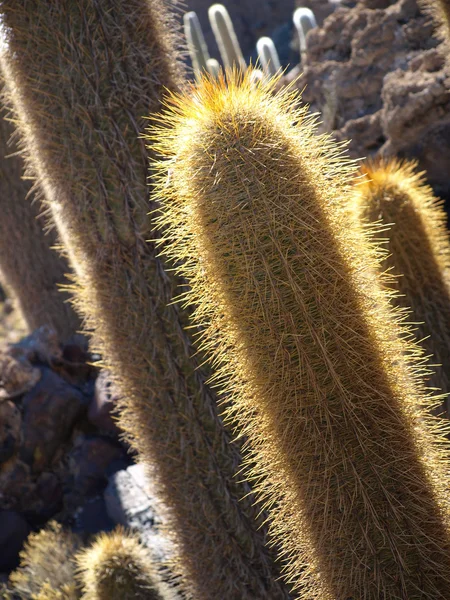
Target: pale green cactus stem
{"x": 268, "y": 56}
{"x": 226, "y": 38}
{"x": 213, "y": 67}
{"x": 304, "y": 21}
{"x": 198, "y": 50}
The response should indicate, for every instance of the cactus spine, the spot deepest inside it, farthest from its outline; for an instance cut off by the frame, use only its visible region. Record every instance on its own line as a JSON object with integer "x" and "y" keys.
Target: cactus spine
{"x": 198, "y": 49}
{"x": 29, "y": 268}
{"x": 229, "y": 47}
{"x": 304, "y": 21}
{"x": 117, "y": 567}
{"x": 418, "y": 252}
{"x": 268, "y": 56}
{"x": 83, "y": 76}
{"x": 305, "y": 341}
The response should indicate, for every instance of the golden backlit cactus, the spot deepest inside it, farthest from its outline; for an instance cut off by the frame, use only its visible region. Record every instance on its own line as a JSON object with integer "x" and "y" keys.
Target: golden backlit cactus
{"x": 440, "y": 13}
{"x": 324, "y": 383}
{"x": 82, "y": 76}
{"x": 29, "y": 268}
{"x": 418, "y": 246}
{"x": 47, "y": 566}
{"x": 117, "y": 567}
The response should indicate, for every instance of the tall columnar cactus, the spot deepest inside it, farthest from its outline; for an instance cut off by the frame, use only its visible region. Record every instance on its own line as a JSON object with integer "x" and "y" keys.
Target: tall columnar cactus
{"x": 29, "y": 268}
{"x": 303, "y": 338}
{"x": 304, "y": 21}
{"x": 229, "y": 47}
{"x": 198, "y": 50}
{"x": 418, "y": 252}
{"x": 83, "y": 76}
{"x": 117, "y": 567}
{"x": 268, "y": 56}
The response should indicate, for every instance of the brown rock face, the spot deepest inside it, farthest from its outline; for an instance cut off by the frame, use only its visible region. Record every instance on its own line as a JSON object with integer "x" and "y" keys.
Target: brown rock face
{"x": 377, "y": 75}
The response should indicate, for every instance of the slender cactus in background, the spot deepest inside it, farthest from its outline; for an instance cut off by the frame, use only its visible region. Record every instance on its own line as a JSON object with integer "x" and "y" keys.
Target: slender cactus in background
{"x": 304, "y": 21}
{"x": 29, "y": 268}
{"x": 419, "y": 252}
{"x": 213, "y": 67}
{"x": 82, "y": 76}
{"x": 198, "y": 50}
{"x": 440, "y": 13}
{"x": 256, "y": 75}
{"x": 47, "y": 566}
{"x": 229, "y": 47}
{"x": 117, "y": 567}
{"x": 268, "y": 56}
{"x": 324, "y": 384}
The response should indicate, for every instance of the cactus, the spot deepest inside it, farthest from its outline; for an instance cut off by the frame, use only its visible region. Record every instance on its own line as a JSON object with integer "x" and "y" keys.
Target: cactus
{"x": 419, "y": 252}
{"x": 29, "y": 269}
{"x": 213, "y": 67}
{"x": 439, "y": 10}
{"x": 198, "y": 50}
{"x": 117, "y": 567}
{"x": 229, "y": 47}
{"x": 303, "y": 338}
{"x": 84, "y": 76}
{"x": 47, "y": 567}
{"x": 268, "y": 56}
{"x": 304, "y": 21}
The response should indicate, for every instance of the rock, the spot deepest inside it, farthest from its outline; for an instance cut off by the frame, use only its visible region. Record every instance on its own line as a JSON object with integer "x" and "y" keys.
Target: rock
{"x": 92, "y": 517}
{"x": 50, "y": 412}
{"x": 10, "y": 430}
{"x": 129, "y": 502}
{"x": 14, "y": 531}
{"x": 377, "y": 75}
{"x": 16, "y": 485}
{"x": 41, "y": 346}
{"x": 88, "y": 463}
{"x": 102, "y": 405}
{"x": 17, "y": 375}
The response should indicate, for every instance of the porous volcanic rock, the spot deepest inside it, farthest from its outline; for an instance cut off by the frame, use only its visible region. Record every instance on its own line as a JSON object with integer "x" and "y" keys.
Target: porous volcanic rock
{"x": 377, "y": 75}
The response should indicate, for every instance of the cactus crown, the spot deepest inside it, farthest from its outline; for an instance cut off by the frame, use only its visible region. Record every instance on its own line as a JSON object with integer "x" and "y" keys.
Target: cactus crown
{"x": 254, "y": 206}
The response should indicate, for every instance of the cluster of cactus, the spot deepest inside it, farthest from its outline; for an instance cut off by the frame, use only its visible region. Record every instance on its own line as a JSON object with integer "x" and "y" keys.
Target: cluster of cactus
{"x": 229, "y": 47}
{"x": 56, "y": 565}
{"x": 324, "y": 473}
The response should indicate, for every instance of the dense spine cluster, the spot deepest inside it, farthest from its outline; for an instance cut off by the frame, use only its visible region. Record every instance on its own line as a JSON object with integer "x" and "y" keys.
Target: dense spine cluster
{"x": 81, "y": 78}
{"x": 324, "y": 383}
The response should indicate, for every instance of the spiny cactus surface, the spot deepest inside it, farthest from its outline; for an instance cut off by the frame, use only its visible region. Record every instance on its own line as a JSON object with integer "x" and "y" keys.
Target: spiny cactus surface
{"x": 440, "y": 13}
{"x": 117, "y": 567}
{"x": 29, "y": 268}
{"x": 83, "y": 76}
{"x": 301, "y": 335}
{"x": 418, "y": 245}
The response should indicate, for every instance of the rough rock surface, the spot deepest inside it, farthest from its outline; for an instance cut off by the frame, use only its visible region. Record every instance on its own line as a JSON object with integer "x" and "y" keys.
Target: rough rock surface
{"x": 377, "y": 75}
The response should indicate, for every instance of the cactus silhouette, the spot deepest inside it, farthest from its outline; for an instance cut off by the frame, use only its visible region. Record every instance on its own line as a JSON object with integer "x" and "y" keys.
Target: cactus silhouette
{"x": 418, "y": 252}
{"x": 229, "y": 47}
{"x": 84, "y": 75}
{"x": 117, "y": 567}
{"x": 303, "y": 338}
{"x": 29, "y": 268}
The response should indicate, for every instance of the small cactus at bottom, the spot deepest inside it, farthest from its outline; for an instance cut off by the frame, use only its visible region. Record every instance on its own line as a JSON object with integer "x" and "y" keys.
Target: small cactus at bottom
{"x": 47, "y": 567}
{"x": 117, "y": 567}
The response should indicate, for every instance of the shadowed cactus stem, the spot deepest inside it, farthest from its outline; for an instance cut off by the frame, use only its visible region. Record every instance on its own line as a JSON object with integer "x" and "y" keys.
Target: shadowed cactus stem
{"x": 82, "y": 76}
{"x": 394, "y": 195}
{"x": 301, "y": 336}
{"x": 117, "y": 567}
{"x": 29, "y": 268}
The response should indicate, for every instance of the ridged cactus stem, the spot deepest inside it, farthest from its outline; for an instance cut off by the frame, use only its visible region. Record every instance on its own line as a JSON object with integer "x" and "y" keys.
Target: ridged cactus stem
{"x": 304, "y": 21}
{"x": 303, "y": 337}
{"x": 83, "y": 76}
{"x": 268, "y": 56}
{"x": 29, "y": 268}
{"x": 229, "y": 47}
{"x": 198, "y": 50}
{"x": 418, "y": 252}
